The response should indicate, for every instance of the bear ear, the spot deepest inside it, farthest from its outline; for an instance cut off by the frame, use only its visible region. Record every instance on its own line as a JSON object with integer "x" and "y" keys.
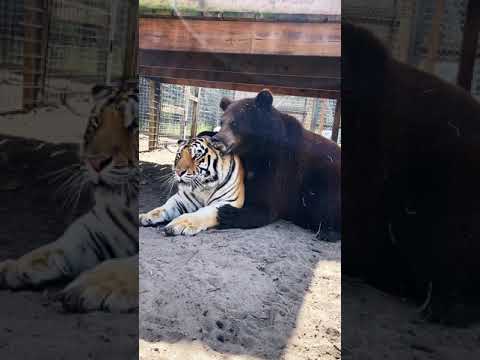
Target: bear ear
{"x": 206, "y": 134}
{"x": 264, "y": 99}
{"x": 224, "y": 103}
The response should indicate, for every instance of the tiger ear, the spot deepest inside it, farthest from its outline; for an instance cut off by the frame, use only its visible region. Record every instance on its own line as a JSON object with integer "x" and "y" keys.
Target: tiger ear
{"x": 181, "y": 142}
{"x": 225, "y": 103}
{"x": 101, "y": 91}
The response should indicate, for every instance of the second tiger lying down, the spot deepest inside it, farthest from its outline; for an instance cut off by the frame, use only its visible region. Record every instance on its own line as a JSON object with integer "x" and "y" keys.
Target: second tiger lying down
{"x": 207, "y": 180}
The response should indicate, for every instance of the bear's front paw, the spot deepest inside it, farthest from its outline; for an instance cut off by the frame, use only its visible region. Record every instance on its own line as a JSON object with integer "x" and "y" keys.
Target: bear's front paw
{"x": 111, "y": 286}
{"x": 186, "y": 224}
{"x": 153, "y": 217}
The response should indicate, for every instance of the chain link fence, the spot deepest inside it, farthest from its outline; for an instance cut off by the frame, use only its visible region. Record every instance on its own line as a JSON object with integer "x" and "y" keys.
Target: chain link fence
{"x": 171, "y": 112}
{"x": 54, "y": 48}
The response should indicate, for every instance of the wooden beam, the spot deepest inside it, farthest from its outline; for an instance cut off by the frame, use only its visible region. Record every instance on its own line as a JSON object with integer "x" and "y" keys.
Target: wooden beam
{"x": 248, "y": 87}
{"x": 469, "y": 45}
{"x": 240, "y": 37}
{"x": 299, "y": 75}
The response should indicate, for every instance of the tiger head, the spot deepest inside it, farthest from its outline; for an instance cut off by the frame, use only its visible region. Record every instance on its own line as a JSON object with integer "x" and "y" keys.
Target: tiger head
{"x": 196, "y": 162}
{"x": 110, "y": 143}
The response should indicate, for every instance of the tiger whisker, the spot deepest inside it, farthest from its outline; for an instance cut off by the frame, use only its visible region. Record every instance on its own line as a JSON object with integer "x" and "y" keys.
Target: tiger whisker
{"x": 58, "y": 177}
{"x": 59, "y": 171}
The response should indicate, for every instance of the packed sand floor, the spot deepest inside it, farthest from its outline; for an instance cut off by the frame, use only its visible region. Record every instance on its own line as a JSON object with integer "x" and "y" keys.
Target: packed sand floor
{"x": 268, "y": 293}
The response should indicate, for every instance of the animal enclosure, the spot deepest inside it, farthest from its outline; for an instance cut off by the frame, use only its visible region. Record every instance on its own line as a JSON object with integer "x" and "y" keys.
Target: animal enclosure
{"x": 169, "y": 112}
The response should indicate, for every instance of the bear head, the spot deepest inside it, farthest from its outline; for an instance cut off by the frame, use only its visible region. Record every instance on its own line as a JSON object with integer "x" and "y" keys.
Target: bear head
{"x": 246, "y": 124}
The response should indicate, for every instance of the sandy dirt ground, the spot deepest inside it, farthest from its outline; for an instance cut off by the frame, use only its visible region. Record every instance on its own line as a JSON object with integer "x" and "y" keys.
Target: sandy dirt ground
{"x": 33, "y": 326}
{"x": 194, "y": 290}
{"x": 390, "y": 328}
{"x": 268, "y": 293}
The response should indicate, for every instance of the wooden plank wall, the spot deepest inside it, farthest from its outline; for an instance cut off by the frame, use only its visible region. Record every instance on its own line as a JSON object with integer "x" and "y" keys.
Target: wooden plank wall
{"x": 241, "y": 37}
{"x": 282, "y": 74}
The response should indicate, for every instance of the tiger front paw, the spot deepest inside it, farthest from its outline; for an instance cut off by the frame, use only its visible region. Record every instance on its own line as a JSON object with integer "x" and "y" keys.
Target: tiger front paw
{"x": 31, "y": 270}
{"x": 186, "y": 224}
{"x": 111, "y": 286}
{"x": 153, "y": 217}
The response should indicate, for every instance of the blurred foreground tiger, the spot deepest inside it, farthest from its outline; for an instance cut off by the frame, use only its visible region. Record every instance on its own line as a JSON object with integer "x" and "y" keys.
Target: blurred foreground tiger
{"x": 98, "y": 251}
{"x": 206, "y": 180}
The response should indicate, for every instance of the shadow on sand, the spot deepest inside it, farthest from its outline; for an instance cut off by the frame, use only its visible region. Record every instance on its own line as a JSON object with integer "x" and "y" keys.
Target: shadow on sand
{"x": 263, "y": 292}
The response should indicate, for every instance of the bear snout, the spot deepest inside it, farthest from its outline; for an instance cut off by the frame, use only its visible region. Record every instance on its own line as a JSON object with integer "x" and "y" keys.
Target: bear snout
{"x": 221, "y": 143}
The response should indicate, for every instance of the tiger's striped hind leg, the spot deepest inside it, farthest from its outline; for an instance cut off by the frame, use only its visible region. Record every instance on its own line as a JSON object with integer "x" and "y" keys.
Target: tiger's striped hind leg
{"x": 193, "y": 223}
{"x": 111, "y": 286}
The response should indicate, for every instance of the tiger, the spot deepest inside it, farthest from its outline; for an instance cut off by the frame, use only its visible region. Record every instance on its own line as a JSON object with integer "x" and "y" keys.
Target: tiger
{"x": 207, "y": 180}
{"x": 98, "y": 252}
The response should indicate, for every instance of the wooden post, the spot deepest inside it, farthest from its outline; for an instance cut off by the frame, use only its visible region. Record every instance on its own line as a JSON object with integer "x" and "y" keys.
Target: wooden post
{"x": 336, "y": 120}
{"x": 193, "y": 129}
{"x": 315, "y": 114}
{"x": 152, "y": 118}
{"x": 434, "y": 43}
{"x": 322, "y": 114}
{"x": 469, "y": 45}
{"x": 406, "y": 10}
{"x": 111, "y": 37}
{"x": 34, "y": 51}
{"x": 131, "y": 51}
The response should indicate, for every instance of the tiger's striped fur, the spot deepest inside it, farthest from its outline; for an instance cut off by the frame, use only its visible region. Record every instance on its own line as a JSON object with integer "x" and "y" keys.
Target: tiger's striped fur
{"x": 206, "y": 180}
{"x": 99, "y": 250}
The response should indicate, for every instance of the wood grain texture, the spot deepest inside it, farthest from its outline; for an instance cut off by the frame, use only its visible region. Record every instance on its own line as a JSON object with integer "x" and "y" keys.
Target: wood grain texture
{"x": 283, "y": 74}
{"x": 241, "y": 37}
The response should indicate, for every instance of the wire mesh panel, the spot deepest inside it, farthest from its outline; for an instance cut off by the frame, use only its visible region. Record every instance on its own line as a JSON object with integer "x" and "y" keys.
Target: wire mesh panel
{"x": 173, "y": 117}
{"x": 52, "y": 48}
{"x": 209, "y": 107}
{"x": 78, "y": 45}
{"x": 170, "y": 112}
{"x": 11, "y": 55}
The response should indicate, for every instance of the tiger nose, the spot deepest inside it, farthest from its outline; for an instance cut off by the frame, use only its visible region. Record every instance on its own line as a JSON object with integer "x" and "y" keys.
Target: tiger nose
{"x": 98, "y": 163}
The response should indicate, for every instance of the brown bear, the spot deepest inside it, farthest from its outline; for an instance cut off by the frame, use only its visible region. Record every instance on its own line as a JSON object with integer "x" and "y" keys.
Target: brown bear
{"x": 291, "y": 173}
{"x": 411, "y": 180}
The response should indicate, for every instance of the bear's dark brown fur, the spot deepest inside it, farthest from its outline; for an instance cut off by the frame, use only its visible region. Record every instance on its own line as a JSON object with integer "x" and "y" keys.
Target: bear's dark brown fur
{"x": 291, "y": 173}
{"x": 411, "y": 179}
